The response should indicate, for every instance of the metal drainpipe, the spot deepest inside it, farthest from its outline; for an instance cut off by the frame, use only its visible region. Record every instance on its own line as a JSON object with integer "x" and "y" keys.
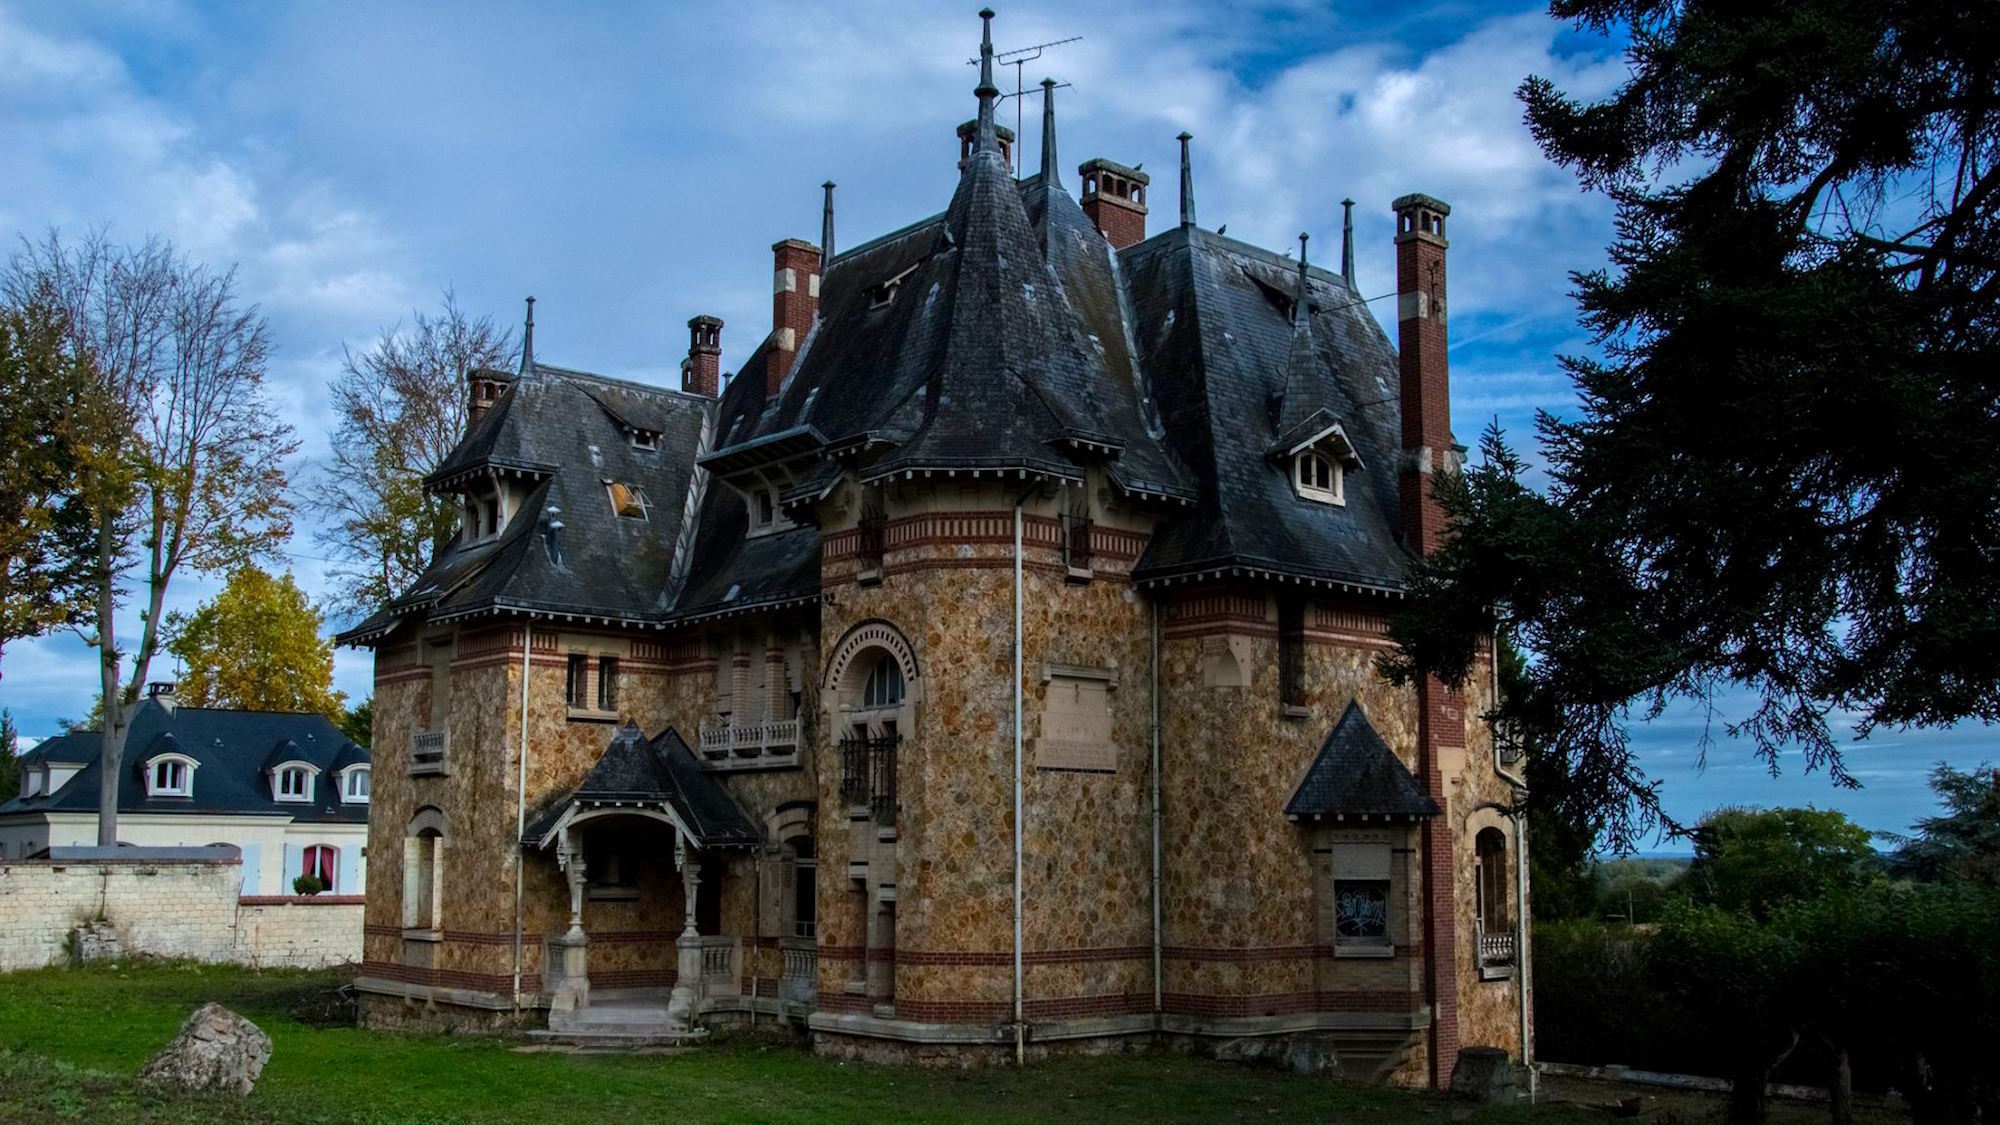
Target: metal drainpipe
{"x": 1159, "y": 973}
{"x": 1020, "y": 1027}
{"x": 521, "y": 805}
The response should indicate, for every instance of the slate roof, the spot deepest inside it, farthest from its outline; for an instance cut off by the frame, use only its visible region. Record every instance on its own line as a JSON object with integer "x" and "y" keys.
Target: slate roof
{"x": 1355, "y": 775}
{"x": 1214, "y": 329}
{"x": 1000, "y": 334}
{"x": 1004, "y": 346}
{"x": 231, "y": 749}
{"x": 662, "y": 772}
{"x": 568, "y": 433}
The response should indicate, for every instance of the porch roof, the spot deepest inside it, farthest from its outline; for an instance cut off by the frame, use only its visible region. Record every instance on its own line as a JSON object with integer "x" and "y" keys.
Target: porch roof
{"x": 661, "y": 775}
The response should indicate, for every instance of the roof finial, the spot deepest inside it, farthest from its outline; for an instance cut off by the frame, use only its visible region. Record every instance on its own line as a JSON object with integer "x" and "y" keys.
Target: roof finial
{"x": 826, "y": 230}
{"x": 985, "y": 140}
{"x": 528, "y": 340}
{"x": 1187, "y": 181}
{"x": 1050, "y": 177}
{"x": 1347, "y": 241}
{"x": 1299, "y": 311}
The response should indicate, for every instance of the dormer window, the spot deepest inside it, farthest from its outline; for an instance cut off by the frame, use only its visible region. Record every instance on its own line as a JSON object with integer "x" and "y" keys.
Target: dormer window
{"x": 354, "y": 787}
{"x": 764, "y": 508}
{"x": 629, "y": 501}
{"x": 645, "y": 440}
{"x": 484, "y": 514}
{"x": 170, "y": 775}
{"x": 1318, "y": 478}
{"x": 884, "y": 293}
{"x": 294, "y": 783}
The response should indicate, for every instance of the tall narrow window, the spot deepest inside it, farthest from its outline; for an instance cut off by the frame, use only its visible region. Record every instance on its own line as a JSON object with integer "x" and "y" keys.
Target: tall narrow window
{"x": 576, "y": 689}
{"x": 1291, "y": 652}
{"x": 422, "y": 870}
{"x": 607, "y": 683}
{"x": 805, "y": 889}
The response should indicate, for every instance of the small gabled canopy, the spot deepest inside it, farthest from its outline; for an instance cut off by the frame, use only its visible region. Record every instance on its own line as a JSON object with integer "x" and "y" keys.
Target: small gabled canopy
{"x": 1357, "y": 776}
{"x": 661, "y": 777}
{"x": 1318, "y": 428}
{"x": 287, "y": 753}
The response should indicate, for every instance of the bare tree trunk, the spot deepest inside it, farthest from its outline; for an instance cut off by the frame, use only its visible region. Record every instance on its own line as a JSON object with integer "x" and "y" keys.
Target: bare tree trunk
{"x": 1840, "y": 1105}
{"x": 1748, "y": 1102}
{"x": 111, "y": 743}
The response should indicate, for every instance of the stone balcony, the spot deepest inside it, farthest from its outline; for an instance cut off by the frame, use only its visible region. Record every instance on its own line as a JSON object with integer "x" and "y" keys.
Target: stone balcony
{"x": 757, "y": 744}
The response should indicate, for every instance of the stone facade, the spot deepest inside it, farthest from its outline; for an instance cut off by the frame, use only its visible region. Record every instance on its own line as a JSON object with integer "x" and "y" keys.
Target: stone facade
{"x": 914, "y": 929}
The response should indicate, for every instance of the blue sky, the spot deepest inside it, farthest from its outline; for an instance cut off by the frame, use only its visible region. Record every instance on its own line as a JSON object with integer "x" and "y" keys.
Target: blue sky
{"x": 630, "y": 165}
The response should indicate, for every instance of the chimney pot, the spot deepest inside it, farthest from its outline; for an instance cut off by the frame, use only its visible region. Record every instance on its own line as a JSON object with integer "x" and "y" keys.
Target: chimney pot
{"x": 701, "y": 371}
{"x": 968, "y": 137}
{"x": 1114, "y": 197}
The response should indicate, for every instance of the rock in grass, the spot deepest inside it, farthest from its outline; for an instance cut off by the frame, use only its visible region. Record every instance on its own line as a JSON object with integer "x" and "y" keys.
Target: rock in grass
{"x": 216, "y": 1049}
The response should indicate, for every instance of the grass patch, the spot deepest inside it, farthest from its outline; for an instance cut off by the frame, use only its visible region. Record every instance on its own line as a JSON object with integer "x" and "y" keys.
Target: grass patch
{"x": 71, "y": 1040}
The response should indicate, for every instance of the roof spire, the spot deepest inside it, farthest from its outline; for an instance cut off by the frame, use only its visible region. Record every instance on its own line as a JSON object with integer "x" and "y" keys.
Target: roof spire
{"x": 1347, "y": 241}
{"x": 528, "y": 340}
{"x": 826, "y": 229}
{"x": 1050, "y": 177}
{"x": 1300, "y": 314}
{"x": 1187, "y": 181}
{"x": 985, "y": 140}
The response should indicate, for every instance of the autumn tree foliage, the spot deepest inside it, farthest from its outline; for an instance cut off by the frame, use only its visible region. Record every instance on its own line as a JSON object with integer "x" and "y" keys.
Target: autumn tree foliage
{"x": 256, "y": 646}
{"x": 187, "y": 467}
{"x": 47, "y": 439}
{"x": 401, "y": 407}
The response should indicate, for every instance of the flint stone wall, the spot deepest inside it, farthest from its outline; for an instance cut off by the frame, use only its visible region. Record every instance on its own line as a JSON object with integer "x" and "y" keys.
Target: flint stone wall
{"x": 168, "y": 908}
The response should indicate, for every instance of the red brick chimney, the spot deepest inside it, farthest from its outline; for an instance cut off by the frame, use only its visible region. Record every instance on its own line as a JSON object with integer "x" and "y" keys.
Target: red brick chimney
{"x": 482, "y": 389}
{"x": 1427, "y": 450}
{"x": 701, "y": 371}
{"x": 1114, "y": 197}
{"x": 794, "y": 299}
{"x": 1426, "y": 387}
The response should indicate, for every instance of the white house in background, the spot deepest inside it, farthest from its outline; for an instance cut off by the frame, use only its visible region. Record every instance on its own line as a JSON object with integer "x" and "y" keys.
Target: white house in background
{"x": 289, "y": 790}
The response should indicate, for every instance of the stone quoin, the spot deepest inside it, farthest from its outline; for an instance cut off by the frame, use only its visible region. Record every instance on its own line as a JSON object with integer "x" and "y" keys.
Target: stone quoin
{"x": 987, "y": 671}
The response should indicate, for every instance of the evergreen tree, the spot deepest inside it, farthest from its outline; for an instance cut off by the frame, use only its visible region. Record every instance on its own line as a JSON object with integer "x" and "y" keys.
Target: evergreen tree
{"x": 1785, "y": 474}
{"x": 10, "y": 757}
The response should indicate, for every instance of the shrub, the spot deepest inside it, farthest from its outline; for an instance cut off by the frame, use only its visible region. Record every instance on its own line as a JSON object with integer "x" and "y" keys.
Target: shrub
{"x": 308, "y": 884}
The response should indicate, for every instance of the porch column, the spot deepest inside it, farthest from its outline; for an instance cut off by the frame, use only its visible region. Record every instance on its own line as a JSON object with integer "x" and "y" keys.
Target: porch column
{"x": 684, "y": 1005}
{"x": 574, "y": 992}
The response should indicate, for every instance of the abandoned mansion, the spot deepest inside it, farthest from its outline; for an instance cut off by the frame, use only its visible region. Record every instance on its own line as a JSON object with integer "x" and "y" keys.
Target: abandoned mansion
{"x": 987, "y": 669}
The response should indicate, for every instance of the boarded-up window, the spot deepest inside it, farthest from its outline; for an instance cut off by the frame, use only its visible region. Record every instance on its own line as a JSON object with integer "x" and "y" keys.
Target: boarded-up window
{"x": 1362, "y": 903}
{"x": 1076, "y": 724}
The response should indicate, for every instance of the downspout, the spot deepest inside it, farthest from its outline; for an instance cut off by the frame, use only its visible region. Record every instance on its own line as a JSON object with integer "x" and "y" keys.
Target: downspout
{"x": 521, "y": 806}
{"x": 1020, "y": 1027}
{"x": 1159, "y": 972}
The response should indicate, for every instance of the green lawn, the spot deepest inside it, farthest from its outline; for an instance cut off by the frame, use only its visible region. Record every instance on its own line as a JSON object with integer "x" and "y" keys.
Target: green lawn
{"x": 70, "y": 1040}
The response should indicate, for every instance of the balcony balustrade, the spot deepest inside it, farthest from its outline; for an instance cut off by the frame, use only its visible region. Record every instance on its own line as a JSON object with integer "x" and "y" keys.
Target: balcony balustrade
{"x": 753, "y": 744}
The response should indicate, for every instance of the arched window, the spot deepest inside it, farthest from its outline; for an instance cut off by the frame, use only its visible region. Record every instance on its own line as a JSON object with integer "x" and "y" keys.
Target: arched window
{"x": 294, "y": 784}
{"x": 423, "y": 874}
{"x": 170, "y": 775}
{"x": 884, "y": 686}
{"x": 1318, "y": 478}
{"x": 322, "y": 860}
{"x": 356, "y": 789}
{"x": 1491, "y": 848}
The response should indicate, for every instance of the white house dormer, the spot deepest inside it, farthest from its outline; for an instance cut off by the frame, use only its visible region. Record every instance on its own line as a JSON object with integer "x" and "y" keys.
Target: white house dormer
{"x": 354, "y": 785}
{"x": 292, "y": 782}
{"x": 170, "y": 774}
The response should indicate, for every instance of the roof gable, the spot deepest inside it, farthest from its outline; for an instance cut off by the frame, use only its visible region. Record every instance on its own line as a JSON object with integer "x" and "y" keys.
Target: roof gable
{"x": 1356, "y": 775}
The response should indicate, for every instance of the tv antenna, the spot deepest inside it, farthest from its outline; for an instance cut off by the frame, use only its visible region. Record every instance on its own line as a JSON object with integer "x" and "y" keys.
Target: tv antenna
{"x": 1019, "y": 58}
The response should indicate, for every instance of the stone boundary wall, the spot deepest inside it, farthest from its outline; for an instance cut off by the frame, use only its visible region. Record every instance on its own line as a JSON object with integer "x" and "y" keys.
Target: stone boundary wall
{"x": 167, "y": 908}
